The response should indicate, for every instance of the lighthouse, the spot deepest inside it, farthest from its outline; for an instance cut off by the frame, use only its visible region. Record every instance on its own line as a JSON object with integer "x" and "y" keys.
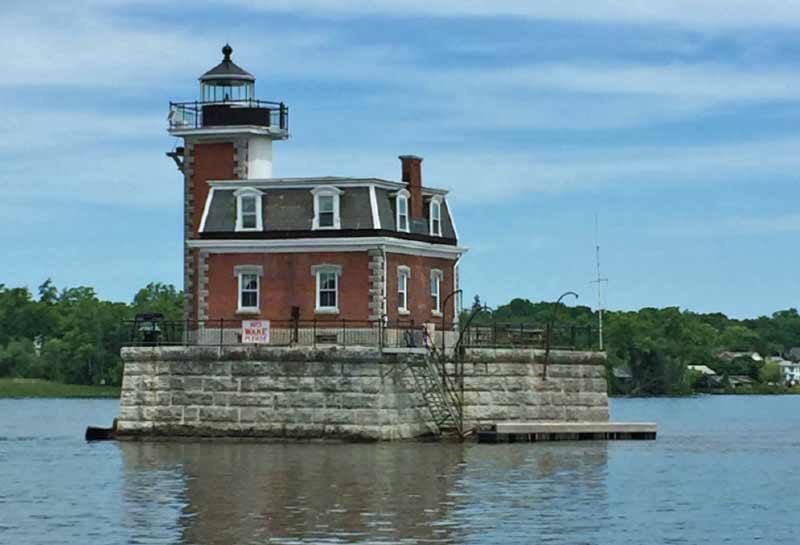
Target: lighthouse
{"x": 229, "y": 112}
{"x": 324, "y": 249}
{"x": 227, "y": 134}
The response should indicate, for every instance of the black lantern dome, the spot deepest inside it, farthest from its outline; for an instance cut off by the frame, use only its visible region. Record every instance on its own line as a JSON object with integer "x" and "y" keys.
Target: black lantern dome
{"x": 227, "y": 82}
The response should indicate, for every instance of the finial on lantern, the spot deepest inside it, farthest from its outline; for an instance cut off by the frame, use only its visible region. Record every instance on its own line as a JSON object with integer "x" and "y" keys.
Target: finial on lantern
{"x": 227, "y": 50}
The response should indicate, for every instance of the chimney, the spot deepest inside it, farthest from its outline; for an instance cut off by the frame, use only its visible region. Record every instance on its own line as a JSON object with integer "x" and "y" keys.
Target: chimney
{"x": 412, "y": 175}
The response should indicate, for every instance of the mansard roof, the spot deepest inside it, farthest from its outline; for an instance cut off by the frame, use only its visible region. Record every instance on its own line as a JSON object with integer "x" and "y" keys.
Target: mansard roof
{"x": 288, "y": 209}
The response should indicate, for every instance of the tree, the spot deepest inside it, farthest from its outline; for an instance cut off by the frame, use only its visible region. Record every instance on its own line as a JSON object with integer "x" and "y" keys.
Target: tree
{"x": 18, "y": 358}
{"x": 738, "y": 338}
{"x": 158, "y": 297}
{"x": 771, "y": 373}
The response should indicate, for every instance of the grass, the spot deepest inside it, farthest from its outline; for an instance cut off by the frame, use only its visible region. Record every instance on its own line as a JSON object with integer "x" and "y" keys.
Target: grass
{"x": 30, "y": 387}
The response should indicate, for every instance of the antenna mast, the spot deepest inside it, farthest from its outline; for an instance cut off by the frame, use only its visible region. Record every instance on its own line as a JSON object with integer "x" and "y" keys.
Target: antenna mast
{"x": 599, "y": 280}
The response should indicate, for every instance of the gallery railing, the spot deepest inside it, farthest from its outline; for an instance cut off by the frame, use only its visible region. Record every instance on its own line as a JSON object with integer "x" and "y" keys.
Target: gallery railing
{"x": 197, "y": 115}
{"x": 345, "y": 332}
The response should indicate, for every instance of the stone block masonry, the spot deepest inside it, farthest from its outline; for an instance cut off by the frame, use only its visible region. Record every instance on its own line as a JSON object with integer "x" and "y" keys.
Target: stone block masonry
{"x": 347, "y": 394}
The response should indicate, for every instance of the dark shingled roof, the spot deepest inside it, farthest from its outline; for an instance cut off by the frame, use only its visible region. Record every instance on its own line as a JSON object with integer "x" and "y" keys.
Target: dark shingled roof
{"x": 292, "y": 209}
{"x": 227, "y": 69}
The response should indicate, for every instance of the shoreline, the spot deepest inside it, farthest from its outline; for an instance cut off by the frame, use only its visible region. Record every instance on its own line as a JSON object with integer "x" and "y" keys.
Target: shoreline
{"x": 28, "y": 388}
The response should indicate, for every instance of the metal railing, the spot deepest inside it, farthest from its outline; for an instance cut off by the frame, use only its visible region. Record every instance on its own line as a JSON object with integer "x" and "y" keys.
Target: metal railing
{"x": 527, "y": 335}
{"x": 230, "y": 332}
{"x": 346, "y": 332}
{"x": 197, "y": 114}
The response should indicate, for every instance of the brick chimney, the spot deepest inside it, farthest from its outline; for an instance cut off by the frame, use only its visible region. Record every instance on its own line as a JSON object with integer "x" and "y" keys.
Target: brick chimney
{"x": 412, "y": 175}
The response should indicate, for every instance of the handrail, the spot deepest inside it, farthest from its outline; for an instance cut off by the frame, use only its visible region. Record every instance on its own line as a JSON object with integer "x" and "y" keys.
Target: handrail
{"x": 440, "y": 367}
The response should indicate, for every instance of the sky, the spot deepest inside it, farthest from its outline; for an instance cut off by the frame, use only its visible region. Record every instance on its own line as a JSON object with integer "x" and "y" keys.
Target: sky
{"x": 675, "y": 124}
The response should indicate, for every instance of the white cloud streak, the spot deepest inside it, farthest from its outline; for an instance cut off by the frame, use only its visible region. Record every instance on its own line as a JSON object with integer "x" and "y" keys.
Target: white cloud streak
{"x": 735, "y": 226}
{"x": 702, "y": 14}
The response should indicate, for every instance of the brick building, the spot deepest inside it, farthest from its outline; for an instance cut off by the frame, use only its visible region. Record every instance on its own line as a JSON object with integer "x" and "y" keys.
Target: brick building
{"x": 258, "y": 247}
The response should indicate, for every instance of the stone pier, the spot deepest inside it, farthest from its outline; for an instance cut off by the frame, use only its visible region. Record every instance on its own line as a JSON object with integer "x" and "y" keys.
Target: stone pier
{"x": 347, "y": 394}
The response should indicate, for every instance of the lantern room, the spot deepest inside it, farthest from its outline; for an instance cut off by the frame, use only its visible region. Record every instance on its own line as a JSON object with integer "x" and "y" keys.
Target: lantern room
{"x": 228, "y": 103}
{"x": 227, "y": 82}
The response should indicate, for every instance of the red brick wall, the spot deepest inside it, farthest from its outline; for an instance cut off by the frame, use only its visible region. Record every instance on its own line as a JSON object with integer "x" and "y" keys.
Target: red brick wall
{"x": 212, "y": 161}
{"x": 287, "y": 282}
{"x": 419, "y": 287}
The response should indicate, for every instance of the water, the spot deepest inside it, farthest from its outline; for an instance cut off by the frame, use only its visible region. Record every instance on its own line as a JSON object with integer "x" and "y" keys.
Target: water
{"x": 723, "y": 470}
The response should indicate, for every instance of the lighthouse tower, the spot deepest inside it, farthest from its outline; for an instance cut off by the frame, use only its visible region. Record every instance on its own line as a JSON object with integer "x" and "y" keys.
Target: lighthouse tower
{"x": 227, "y": 135}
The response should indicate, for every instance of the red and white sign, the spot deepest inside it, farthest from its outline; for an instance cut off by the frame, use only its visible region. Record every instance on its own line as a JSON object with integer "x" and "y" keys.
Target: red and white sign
{"x": 255, "y": 331}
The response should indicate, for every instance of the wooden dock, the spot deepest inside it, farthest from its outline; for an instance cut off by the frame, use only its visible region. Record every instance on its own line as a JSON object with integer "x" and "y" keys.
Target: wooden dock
{"x": 534, "y": 432}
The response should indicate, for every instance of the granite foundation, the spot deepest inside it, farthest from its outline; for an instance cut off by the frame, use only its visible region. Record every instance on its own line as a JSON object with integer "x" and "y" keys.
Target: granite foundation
{"x": 347, "y": 394}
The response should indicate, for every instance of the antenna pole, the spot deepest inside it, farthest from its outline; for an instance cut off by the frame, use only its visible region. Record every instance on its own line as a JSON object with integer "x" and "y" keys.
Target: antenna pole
{"x": 599, "y": 281}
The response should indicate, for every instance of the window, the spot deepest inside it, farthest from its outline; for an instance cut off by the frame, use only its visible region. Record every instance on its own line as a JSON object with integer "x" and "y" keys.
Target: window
{"x": 249, "y": 284}
{"x": 402, "y": 210}
{"x": 248, "y": 212}
{"x": 325, "y": 211}
{"x": 326, "y": 208}
{"x": 403, "y": 274}
{"x": 248, "y": 209}
{"x": 436, "y": 283}
{"x": 436, "y": 217}
{"x": 248, "y": 291}
{"x": 327, "y": 287}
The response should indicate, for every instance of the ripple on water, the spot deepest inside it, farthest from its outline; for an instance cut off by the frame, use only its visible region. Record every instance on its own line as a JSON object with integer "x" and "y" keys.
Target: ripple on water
{"x": 674, "y": 490}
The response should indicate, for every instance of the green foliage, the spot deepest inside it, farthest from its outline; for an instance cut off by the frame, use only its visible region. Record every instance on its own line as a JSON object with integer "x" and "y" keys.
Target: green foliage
{"x": 657, "y": 345}
{"x": 743, "y": 365}
{"x": 158, "y": 297}
{"x": 771, "y": 373}
{"x": 27, "y": 387}
{"x": 71, "y": 336}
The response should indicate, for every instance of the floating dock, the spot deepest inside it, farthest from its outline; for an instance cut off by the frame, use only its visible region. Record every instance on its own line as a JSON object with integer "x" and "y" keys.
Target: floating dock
{"x": 534, "y": 432}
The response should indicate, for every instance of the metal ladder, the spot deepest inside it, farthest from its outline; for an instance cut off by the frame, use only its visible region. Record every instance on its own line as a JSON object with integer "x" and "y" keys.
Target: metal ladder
{"x": 440, "y": 400}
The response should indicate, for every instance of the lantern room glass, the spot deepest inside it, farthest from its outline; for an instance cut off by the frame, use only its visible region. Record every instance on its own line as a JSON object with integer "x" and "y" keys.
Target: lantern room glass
{"x": 227, "y": 91}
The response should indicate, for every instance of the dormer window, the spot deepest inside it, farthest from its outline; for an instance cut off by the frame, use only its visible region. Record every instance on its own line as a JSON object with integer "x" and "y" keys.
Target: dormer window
{"x": 401, "y": 206}
{"x": 248, "y": 209}
{"x": 326, "y": 208}
{"x": 436, "y": 216}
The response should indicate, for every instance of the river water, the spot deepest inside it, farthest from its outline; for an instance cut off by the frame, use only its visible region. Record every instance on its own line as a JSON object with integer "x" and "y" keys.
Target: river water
{"x": 723, "y": 470}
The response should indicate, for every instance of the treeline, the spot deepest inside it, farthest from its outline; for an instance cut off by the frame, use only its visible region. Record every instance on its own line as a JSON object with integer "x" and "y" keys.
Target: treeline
{"x": 70, "y": 335}
{"x": 655, "y": 346}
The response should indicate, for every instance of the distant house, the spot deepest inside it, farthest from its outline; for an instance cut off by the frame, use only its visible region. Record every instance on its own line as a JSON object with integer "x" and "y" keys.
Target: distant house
{"x": 709, "y": 380}
{"x": 622, "y": 378}
{"x": 704, "y": 369}
{"x": 622, "y": 374}
{"x": 793, "y": 353}
{"x": 790, "y": 371}
{"x": 730, "y": 355}
{"x": 737, "y": 381}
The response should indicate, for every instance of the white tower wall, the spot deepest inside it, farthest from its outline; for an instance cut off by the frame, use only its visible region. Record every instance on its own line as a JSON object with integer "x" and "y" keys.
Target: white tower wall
{"x": 259, "y": 157}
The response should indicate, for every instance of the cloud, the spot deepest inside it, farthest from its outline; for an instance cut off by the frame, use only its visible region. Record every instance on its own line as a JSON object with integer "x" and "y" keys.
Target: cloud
{"x": 736, "y": 226}
{"x": 497, "y": 176}
{"x": 704, "y": 14}
{"x": 465, "y": 118}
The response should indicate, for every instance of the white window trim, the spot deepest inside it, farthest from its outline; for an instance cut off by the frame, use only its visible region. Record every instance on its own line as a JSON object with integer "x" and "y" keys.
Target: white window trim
{"x": 316, "y": 272}
{"x": 436, "y": 280}
{"x": 248, "y": 192}
{"x": 239, "y": 271}
{"x": 373, "y": 204}
{"x": 334, "y": 192}
{"x": 209, "y": 198}
{"x": 402, "y": 194}
{"x": 403, "y": 271}
{"x": 437, "y": 200}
